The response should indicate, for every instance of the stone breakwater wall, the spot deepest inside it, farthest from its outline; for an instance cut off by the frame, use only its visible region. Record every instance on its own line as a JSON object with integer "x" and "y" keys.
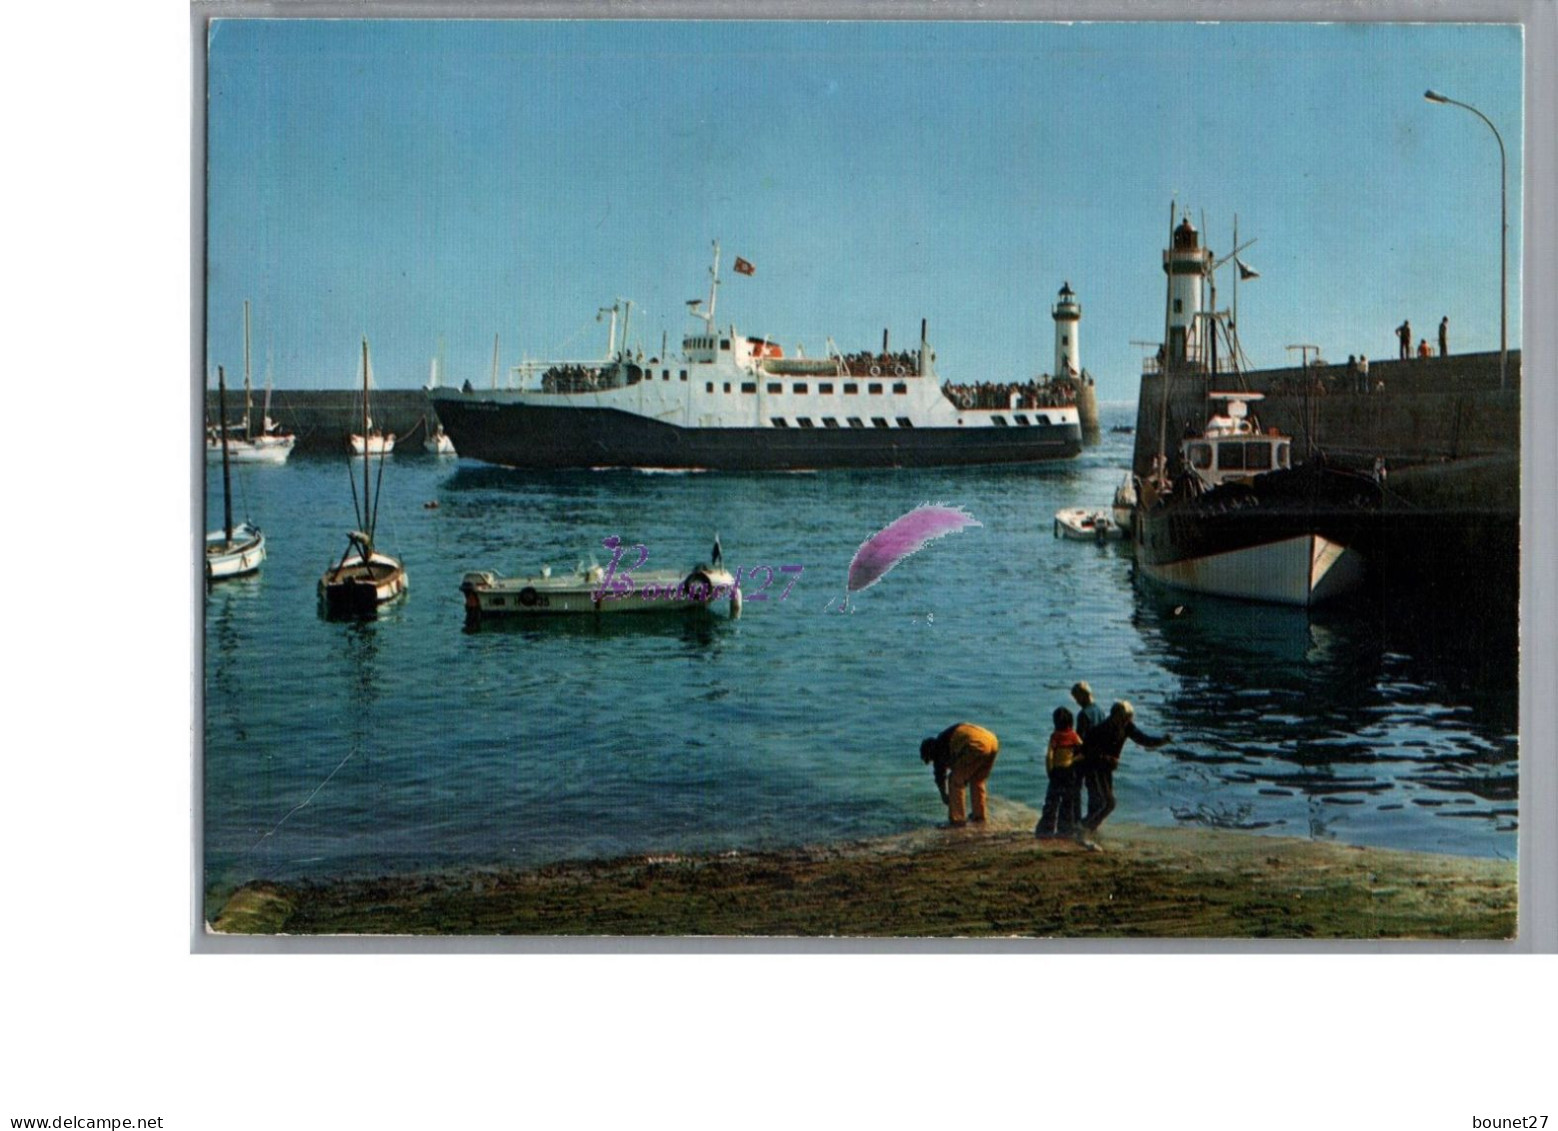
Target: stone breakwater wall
{"x": 1434, "y": 411}
{"x": 323, "y": 418}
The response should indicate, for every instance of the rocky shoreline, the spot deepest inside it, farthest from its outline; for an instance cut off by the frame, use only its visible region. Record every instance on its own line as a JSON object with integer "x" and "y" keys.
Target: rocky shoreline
{"x": 995, "y": 881}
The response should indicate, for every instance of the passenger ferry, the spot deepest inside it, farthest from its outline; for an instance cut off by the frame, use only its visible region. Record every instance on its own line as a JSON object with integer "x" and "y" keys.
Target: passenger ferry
{"x": 734, "y": 402}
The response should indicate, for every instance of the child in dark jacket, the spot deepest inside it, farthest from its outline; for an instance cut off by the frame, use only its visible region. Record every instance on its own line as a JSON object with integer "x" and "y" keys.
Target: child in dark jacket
{"x": 1063, "y": 799}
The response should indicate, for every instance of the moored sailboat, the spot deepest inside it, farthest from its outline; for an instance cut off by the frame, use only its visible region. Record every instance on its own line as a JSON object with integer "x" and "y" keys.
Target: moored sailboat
{"x": 244, "y": 445}
{"x": 233, "y": 550}
{"x": 365, "y": 577}
{"x": 372, "y": 440}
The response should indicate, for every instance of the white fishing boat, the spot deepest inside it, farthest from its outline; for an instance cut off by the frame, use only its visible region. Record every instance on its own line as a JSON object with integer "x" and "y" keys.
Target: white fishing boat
{"x": 595, "y": 590}
{"x": 364, "y": 578}
{"x": 239, "y": 549}
{"x": 1231, "y": 512}
{"x": 1083, "y": 525}
{"x": 270, "y": 444}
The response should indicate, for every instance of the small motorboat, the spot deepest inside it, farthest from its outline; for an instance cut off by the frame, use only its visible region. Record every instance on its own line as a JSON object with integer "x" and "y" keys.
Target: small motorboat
{"x": 595, "y": 590}
{"x": 1083, "y": 525}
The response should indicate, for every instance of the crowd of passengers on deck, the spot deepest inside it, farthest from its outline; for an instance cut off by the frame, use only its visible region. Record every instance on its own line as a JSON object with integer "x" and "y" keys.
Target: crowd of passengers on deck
{"x": 1011, "y": 394}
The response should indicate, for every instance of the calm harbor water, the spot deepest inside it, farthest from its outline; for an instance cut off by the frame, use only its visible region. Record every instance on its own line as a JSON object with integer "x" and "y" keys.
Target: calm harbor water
{"x": 410, "y": 743}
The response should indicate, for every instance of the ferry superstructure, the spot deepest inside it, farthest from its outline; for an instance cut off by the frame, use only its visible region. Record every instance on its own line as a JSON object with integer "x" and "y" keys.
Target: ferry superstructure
{"x": 736, "y": 402}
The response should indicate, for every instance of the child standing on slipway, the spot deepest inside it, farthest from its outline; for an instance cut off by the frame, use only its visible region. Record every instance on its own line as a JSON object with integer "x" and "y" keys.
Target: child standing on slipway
{"x": 1063, "y": 799}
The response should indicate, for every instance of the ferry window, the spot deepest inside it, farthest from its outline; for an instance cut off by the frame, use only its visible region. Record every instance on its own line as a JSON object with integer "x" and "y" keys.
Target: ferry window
{"x": 749, "y": 386}
{"x": 856, "y": 422}
{"x": 500, "y": 600}
{"x": 1021, "y": 419}
{"x": 998, "y": 421}
{"x": 829, "y": 422}
{"x": 684, "y": 375}
{"x": 775, "y": 387}
{"x": 1042, "y": 419}
{"x": 1201, "y": 456}
{"x": 724, "y": 343}
{"x": 803, "y": 421}
{"x": 900, "y": 388}
{"x": 879, "y": 422}
{"x": 851, "y": 388}
{"x": 1230, "y": 457}
{"x": 708, "y": 386}
{"x": 905, "y": 422}
{"x": 1257, "y": 457}
{"x": 875, "y": 388}
{"x": 825, "y": 386}
{"x": 800, "y": 386}
{"x": 727, "y": 386}
{"x": 778, "y": 422}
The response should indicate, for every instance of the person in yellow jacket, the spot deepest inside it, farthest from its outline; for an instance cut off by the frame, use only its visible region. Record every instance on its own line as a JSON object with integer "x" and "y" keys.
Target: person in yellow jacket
{"x": 963, "y": 756}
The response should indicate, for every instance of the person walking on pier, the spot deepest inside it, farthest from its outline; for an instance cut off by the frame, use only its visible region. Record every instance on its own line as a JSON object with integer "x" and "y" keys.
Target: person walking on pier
{"x": 1100, "y": 757}
{"x": 1444, "y": 336}
{"x": 963, "y": 756}
{"x": 1404, "y": 336}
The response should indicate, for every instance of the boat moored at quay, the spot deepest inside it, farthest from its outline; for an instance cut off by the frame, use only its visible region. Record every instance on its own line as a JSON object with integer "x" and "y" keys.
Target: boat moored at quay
{"x": 735, "y": 402}
{"x": 1231, "y": 512}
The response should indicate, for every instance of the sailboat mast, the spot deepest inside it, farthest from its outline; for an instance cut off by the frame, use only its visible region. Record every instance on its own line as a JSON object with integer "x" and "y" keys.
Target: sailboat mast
{"x": 366, "y": 445}
{"x": 494, "y": 361}
{"x": 248, "y": 396}
{"x": 227, "y": 475}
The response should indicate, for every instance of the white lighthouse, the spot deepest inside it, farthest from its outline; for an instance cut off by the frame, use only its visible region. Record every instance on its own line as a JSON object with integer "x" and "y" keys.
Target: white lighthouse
{"x": 1187, "y": 265}
{"x": 1067, "y": 313}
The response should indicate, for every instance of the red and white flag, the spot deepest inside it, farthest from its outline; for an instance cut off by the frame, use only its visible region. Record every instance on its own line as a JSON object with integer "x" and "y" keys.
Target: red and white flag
{"x": 744, "y": 268}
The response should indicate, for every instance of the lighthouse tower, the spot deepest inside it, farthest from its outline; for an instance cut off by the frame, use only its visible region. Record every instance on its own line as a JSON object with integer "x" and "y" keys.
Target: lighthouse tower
{"x": 1067, "y": 313}
{"x": 1187, "y": 265}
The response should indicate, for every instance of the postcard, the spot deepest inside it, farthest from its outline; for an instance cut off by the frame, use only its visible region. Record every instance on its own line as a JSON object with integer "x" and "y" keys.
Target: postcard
{"x": 861, "y": 480}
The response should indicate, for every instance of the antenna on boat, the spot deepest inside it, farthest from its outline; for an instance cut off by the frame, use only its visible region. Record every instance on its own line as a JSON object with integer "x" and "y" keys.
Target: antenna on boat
{"x": 494, "y": 361}
{"x": 708, "y": 318}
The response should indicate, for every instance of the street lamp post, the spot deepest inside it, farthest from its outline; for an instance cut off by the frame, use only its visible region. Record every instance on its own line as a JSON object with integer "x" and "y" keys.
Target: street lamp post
{"x": 1503, "y": 262}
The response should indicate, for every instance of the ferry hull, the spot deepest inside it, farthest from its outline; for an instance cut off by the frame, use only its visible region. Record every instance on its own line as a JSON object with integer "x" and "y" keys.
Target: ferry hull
{"x": 544, "y": 437}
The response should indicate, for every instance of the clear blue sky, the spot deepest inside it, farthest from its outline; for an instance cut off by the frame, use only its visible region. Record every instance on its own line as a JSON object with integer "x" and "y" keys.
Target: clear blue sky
{"x": 427, "y": 180}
